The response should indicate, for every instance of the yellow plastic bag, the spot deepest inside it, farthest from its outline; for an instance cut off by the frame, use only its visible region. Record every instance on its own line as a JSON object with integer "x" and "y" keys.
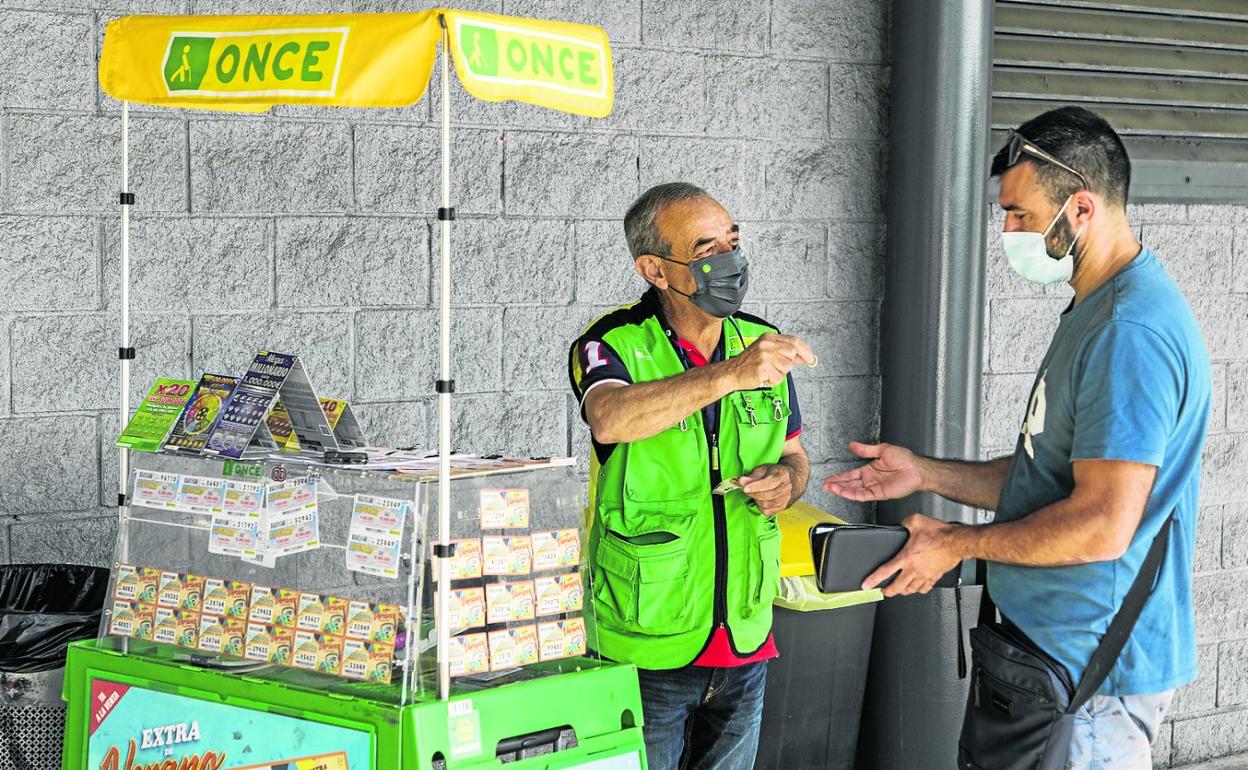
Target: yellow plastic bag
{"x": 802, "y": 594}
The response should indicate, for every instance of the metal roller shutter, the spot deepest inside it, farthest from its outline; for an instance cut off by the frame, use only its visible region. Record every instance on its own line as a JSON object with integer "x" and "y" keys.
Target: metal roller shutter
{"x": 1170, "y": 75}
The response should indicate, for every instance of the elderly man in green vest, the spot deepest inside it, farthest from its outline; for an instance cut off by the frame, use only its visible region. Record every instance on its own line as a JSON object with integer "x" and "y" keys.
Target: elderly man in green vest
{"x": 695, "y": 427}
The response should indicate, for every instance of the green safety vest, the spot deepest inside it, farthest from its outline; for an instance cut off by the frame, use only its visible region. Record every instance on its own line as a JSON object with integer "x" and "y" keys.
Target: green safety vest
{"x": 670, "y": 562}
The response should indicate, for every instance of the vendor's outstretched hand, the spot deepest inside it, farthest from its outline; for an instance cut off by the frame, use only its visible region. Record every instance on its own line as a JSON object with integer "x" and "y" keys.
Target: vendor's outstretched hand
{"x": 768, "y": 360}
{"x": 892, "y": 473}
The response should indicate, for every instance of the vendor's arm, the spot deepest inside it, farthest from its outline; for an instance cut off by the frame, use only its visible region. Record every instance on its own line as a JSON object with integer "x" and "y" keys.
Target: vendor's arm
{"x": 895, "y": 472}
{"x": 620, "y": 413}
{"x": 777, "y": 486}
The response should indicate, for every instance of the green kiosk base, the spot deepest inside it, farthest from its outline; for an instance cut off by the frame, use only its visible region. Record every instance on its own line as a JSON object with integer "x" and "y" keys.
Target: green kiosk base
{"x": 144, "y": 709}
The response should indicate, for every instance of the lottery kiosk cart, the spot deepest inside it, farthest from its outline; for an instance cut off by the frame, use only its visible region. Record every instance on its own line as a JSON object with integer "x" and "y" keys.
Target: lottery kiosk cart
{"x": 288, "y": 613}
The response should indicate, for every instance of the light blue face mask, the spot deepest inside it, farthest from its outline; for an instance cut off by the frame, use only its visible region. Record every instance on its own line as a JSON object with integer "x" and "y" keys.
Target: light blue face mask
{"x": 1030, "y": 258}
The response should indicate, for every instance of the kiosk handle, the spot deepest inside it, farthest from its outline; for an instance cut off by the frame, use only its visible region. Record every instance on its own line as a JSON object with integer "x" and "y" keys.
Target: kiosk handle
{"x": 536, "y": 744}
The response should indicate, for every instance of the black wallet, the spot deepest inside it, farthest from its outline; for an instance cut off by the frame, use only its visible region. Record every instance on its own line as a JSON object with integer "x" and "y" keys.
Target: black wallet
{"x": 845, "y": 554}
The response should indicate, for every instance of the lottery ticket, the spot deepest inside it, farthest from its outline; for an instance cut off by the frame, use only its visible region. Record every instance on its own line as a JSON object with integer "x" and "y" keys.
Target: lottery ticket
{"x": 504, "y": 508}
{"x": 318, "y": 652}
{"x": 322, "y": 614}
{"x": 508, "y": 602}
{"x": 469, "y": 654}
{"x": 180, "y": 590}
{"x": 512, "y": 647}
{"x": 507, "y": 554}
{"x": 226, "y": 597}
{"x": 561, "y": 638}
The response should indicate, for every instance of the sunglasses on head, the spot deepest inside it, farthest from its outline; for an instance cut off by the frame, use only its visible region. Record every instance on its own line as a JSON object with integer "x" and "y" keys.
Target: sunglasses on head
{"x": 1019, "y": 145}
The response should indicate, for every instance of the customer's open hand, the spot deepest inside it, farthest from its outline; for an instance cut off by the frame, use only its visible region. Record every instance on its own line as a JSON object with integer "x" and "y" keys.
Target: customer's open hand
{"x": 892, "y": 473}
{"x": 929, "y": 554}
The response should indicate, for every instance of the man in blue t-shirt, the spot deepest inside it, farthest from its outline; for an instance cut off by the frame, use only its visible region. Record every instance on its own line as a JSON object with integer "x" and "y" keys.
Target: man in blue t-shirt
{"x": 1110, "y": 445}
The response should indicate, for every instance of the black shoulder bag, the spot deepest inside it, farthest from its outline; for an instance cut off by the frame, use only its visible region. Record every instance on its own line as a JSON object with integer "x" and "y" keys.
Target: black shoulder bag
{"x": 1020, "y": 713}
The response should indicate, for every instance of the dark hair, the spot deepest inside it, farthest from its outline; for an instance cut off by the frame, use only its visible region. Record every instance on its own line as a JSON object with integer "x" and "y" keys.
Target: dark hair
{"x": 1082, "y": 140}
{"x": 639, "y": 228}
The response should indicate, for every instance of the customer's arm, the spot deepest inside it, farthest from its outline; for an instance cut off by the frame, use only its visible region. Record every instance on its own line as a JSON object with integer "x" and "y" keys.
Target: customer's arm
{"x": 895, "y": 472}
{"x": 1128, "y": 397}
{"x": 1096, "y": 523}
{"x": 619, "y": 413}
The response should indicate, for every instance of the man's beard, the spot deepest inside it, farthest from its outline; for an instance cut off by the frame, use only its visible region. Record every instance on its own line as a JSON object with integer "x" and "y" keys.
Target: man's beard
{"x": 1060, "y": 241}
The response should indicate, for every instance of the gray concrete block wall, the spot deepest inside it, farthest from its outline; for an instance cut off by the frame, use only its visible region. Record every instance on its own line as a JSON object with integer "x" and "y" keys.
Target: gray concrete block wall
{"x": 1205, "y": 248}
{"x": 313, "y": 230}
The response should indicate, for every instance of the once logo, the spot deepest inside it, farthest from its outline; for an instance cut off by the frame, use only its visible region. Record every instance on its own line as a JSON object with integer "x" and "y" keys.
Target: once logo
{"x": 515, "y": 55}
{"x": 243, "y": 470}
{"x": 260, "y": 62}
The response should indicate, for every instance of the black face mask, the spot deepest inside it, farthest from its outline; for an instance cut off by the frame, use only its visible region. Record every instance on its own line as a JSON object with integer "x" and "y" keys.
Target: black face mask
{"x": 721, "y": 281}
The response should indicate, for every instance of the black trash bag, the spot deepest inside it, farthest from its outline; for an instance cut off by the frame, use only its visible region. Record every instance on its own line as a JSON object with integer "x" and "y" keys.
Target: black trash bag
{"x": 44, "y": 607}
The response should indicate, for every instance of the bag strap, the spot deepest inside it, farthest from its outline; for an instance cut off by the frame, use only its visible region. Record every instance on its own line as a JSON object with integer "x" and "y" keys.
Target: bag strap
{"x": 987, "y": 609}
{"x": 1106, "y": 655}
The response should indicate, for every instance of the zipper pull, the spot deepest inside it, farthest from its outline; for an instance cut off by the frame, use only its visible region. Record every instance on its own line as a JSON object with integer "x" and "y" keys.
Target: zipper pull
{"x": 714, "y": 451}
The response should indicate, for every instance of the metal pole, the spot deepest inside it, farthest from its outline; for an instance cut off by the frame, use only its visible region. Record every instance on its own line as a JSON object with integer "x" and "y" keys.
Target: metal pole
{"x": 123, "y": 411}
{"x": 931, "y": 356}
{"x": 444, "y": 375}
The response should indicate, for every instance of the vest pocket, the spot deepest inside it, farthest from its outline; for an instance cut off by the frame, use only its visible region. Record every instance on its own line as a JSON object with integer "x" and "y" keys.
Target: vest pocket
{"x": 761, "y": 421}
{"x": 764, "y": 567}
{"x": 668, "y": 467}
{"x": 614, "y": 579}
{"x": 645, "y": 586}
{"x": 760, "y": 408}
{"x": 651, "y": 522}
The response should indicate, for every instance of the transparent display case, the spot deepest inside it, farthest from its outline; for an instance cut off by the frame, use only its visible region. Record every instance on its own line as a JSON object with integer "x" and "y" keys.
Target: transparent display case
{"x": 324, "y": 578}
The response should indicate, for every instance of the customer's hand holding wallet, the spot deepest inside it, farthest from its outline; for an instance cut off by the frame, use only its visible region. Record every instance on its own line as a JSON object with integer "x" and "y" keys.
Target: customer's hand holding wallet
{"x": 846, "y": 554}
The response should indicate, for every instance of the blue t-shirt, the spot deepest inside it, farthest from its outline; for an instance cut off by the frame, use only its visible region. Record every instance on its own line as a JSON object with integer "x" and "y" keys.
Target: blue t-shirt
{"x": 1126, "y": 377}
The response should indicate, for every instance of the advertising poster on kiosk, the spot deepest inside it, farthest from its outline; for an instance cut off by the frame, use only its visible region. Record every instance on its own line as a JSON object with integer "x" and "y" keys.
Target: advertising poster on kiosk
{"x": 199, "y": 416}
{"x": 134, "y": 727}
{"x": 155, "y": 417}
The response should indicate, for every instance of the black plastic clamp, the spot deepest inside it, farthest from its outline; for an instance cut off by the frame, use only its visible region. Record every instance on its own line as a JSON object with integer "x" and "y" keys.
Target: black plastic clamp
{"x": 444, "y": 386}
{"x": 444, "y": 550}
{"x": 125, "y": 354}
{"x": 126, "y": 198}
{"x": 446, "y": 214}
{"x": 121, "y": 499}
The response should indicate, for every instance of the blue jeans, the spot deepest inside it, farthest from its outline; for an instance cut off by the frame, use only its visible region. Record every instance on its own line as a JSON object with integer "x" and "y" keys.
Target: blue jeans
{"x": 702, "y": 718}
{"x": 1117, "y": 733}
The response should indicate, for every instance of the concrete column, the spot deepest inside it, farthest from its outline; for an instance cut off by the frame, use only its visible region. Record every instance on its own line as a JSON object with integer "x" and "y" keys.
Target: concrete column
{"x": 930, "y": 351}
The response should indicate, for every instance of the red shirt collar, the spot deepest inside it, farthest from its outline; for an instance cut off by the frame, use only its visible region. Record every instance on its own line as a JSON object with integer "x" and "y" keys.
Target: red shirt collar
{"x": 695, "y": 356}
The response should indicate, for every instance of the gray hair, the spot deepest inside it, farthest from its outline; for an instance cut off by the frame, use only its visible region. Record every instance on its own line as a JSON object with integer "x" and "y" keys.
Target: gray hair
{"x": 639, "y": 228}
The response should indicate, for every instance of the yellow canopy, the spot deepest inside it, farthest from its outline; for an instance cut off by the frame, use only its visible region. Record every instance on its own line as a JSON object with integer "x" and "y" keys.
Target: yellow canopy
{"x": 250, "y": 63}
